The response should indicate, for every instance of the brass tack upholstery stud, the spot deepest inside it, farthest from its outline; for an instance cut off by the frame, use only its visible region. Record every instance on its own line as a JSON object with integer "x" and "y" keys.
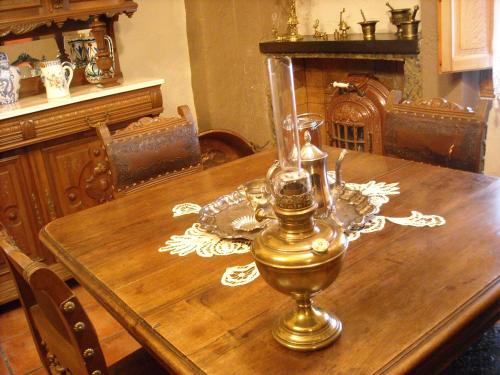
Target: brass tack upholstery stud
{"x": 96, "y": 372}
{"x": 88, "y": 353}
{"x": 69, "y": 306}
{"x": 79, "y": 326}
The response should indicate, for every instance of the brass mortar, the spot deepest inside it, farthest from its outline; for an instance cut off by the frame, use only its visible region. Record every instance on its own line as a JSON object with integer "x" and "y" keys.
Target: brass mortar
{"x": 409, "y": 29}
{"x": 398, "y": 16}
{"x": 368, "y": 29}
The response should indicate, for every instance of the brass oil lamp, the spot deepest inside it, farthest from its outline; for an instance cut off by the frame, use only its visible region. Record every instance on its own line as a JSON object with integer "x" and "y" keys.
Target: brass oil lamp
{"x": 298, "y": 255}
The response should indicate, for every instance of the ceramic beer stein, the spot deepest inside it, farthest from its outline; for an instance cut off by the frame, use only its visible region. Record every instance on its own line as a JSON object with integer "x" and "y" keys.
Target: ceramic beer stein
{"x": 56, "y": 77}
{"x": 92, "y": 72}
{"x": 10, "y": 78}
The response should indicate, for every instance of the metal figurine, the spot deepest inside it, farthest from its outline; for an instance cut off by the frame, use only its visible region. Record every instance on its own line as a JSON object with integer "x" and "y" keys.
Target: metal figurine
{"x": 343, "y": 27}
{"x": 319, "y": 34}
{"x": 293, "y": 33}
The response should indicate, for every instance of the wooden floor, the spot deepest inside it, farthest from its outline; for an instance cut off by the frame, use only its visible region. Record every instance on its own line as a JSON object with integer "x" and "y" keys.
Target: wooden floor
{"x": 18, "y": 355}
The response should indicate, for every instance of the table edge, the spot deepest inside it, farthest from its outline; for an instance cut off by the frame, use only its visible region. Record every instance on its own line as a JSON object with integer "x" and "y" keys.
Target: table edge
{"x": 430, "y": 353}
{"x": 143, "y": 332}
{"x": 462, "y": 322}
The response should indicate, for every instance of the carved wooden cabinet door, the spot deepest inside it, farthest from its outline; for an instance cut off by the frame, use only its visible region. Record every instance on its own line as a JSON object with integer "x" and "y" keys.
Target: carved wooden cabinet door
{"x": 465, "y": 34}
{"x": 79, "y": 174}
{"x": 19, "y": 206}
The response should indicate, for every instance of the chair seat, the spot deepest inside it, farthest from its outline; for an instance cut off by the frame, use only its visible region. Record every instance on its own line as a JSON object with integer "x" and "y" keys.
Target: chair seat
{"x": 139, "y": 362}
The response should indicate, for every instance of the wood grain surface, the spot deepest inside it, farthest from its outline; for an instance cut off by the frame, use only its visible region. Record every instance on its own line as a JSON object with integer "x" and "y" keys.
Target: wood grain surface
{"x": 410, "y": 299}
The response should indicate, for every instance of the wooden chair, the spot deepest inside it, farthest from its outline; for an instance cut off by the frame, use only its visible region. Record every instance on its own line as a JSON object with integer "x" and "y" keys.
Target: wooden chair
{"x": 222, "y": 146}
{"x": 151, "y": 150}
{"x": 64, "y": 336}
{"x": 436, "y": 131}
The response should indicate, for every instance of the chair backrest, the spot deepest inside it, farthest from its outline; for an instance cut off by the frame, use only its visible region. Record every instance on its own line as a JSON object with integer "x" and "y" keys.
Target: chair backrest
{"x": 64, "y": 336}
{"x": 151, "y": 151}
{"x": 436, "y": 131}
{"x": 221, "y": 146}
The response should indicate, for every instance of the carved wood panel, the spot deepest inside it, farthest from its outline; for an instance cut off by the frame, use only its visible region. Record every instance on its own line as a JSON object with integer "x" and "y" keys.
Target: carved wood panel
{"x": 80, "y": 174}
{"x": 19, "y": 208}
{"x": 19, "y": 4}
{"x": 465, "y": 35}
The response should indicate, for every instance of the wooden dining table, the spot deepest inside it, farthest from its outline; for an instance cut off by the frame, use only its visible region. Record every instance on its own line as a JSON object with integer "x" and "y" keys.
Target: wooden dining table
{"x": 411, "y": 299}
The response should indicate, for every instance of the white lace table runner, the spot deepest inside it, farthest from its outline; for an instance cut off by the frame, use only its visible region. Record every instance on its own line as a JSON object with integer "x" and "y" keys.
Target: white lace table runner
{"x": 205, "y": 244}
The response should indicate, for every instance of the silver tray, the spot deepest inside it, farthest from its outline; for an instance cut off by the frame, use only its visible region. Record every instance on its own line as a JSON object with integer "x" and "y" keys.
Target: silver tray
{"x": 217, "y": 217}
{"x": 353, "y": 210}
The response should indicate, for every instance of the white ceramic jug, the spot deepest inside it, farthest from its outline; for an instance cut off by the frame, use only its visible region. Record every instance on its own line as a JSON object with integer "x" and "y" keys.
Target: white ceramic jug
{"x": 56, "y": 77}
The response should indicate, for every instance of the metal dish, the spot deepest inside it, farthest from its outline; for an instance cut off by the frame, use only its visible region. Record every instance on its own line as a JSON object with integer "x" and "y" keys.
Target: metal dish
{"x": 218, "y": 216}
{"x": 352, "y": 209}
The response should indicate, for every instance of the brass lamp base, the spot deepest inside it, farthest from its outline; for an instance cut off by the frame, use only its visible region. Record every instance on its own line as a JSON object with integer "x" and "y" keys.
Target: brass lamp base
{"x": 307, "y": 327}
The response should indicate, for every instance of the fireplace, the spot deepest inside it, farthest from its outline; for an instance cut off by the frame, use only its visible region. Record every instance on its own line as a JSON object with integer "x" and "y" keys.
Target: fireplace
{"x": 353, "y": 120}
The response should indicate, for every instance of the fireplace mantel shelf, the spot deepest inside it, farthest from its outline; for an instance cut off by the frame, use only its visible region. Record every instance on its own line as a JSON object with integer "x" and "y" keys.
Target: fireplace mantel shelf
{"x": 383, "y": 44}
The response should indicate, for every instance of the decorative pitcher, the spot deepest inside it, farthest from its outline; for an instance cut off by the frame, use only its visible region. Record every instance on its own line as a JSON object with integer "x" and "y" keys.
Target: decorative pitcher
{"x": 10, "y": 78}
{"x": 78, "y": 53}
{"x": 56, "y": 77}
{"x": 92, "y": 72}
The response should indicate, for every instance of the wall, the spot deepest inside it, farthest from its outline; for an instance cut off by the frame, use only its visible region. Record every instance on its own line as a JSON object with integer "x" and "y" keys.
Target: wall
{"x": 462, "y": 88}
{"x": 153, "y": 44}
{"x": 229, "y": 75}
{"x": 492, "y": 161}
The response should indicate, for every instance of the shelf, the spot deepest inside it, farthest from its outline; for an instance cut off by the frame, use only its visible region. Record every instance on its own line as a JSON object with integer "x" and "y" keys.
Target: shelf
{"x": 355, "y": 44}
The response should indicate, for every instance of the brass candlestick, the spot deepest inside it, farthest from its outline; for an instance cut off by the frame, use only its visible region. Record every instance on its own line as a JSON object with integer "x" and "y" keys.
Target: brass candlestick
{"x": 343, "y": 27}
{"x": 292, "y": 22}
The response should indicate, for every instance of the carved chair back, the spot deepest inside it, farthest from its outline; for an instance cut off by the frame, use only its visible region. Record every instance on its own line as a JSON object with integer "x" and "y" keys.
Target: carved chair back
{"x": 151, "y": 150}
{"x": 64, "y": 336}
{"x": 436, "y": 131}
{"x": 355, "y": 118}
{"x": 222, "y": 146}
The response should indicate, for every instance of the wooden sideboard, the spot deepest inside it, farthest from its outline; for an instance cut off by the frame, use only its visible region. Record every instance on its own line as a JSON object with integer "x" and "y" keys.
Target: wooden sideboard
{"x": 52, "y": 164}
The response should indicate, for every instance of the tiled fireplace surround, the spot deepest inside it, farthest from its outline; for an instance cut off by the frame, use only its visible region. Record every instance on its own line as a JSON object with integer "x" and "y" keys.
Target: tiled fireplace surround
{"x": 313, "y": 78}
{"x": 314, "y": 75}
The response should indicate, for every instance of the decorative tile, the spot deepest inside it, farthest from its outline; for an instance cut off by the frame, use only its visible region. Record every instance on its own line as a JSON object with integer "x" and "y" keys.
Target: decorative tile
{"x": 21, "y": 354}
{"x": 118, "y": 346}
{"x": 12, "y": 322}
